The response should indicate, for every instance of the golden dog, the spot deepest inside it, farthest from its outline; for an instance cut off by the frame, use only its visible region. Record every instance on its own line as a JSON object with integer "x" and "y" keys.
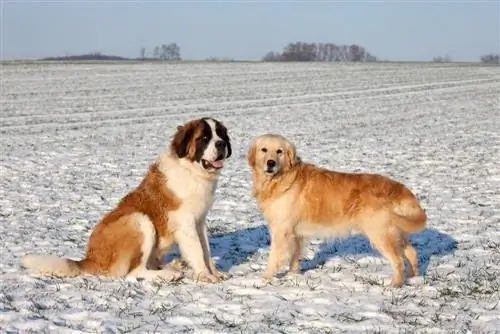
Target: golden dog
{"x": 301, "y": 200}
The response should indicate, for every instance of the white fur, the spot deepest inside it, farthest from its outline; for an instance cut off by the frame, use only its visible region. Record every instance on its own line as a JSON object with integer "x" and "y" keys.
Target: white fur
{"x": 210, "y": 153}
{"x": 49, "y": 265}
{"x": 190, "y": 243}
{"x": 195, "y": 188}
{"x": 145, "y": 225}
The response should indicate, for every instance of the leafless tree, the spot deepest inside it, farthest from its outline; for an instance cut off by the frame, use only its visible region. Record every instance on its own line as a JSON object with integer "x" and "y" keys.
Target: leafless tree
{"x": 272, "y": 56}
{"x": 170, "y": 51}
{"x": 157, "y": 52}
{"x": 439, "y": 59}
{"x": 301, "y": 51}
{"x": 173, "y": 52}
{"x": 491, "y": 59}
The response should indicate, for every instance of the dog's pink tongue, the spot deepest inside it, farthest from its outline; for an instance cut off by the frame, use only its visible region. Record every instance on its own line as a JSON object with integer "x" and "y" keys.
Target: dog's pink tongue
{"x": 217, "y": 164}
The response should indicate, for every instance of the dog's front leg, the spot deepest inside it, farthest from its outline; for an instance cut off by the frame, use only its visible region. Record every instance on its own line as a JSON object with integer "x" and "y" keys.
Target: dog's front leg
{"x": 296, "y": 255}
{"x": 281, "y": 244}
{"x": 203, "y": 235}
{"x": 191, "y": 248}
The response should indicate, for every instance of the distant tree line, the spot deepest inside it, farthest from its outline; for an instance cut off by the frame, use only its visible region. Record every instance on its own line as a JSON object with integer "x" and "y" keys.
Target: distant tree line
{"x": 486, "y": 59}
{"x": 170, "y": 51}
{"x": 491, "y": 59}
{"x": 295, "y": 51}
{"x": 87, "y": 56}
{"x": 439, "y": 59}
{"x": 302, "y": 51}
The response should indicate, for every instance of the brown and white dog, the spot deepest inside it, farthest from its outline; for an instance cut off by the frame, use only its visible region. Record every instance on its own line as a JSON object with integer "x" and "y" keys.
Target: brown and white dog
{"x": 169, "y": 206}
{"x": 300, "y": 200}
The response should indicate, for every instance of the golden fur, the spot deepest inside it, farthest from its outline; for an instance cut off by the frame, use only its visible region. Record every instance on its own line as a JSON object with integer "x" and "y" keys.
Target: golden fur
{"x": 169, "y": 206}
{"x": 300, "y": 200}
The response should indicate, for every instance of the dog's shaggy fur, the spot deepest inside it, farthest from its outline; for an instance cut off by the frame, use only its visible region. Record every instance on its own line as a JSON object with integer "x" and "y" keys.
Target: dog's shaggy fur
{"x": 301, "y": 200}
{"x": 169, "y": 206}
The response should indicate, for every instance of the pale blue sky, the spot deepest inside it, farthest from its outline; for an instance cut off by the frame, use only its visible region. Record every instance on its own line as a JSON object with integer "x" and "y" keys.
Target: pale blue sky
{"x": 393, "y": 30}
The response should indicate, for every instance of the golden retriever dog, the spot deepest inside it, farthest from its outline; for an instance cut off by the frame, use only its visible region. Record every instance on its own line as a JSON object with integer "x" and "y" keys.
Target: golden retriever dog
{"x": 169, "y": 206}
{"x": 300, "y": 200}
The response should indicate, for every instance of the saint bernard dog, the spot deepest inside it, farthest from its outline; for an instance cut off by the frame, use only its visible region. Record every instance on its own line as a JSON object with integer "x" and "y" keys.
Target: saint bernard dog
{"x": 169, "y": 206}
{"x": 300, "y": 200}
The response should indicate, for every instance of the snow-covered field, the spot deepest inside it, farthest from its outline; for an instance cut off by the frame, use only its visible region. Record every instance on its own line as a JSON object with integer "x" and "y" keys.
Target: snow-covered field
{"x": 75, "y": 138}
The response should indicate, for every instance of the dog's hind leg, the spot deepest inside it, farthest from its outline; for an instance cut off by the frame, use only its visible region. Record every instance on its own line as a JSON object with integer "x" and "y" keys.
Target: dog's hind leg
{"x": 145, "y": 226}
{"x": 388, "y": 242}
{"x": 411, "y": 255}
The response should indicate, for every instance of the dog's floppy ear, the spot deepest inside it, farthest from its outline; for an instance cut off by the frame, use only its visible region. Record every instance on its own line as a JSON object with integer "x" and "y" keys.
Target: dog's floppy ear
{"x": 180, "y": 143}
{"x": 225, "y": 137}
{"x": 291, "y": 155}
{"x": 251, "y": 154}
{"x": 229, "y": 150}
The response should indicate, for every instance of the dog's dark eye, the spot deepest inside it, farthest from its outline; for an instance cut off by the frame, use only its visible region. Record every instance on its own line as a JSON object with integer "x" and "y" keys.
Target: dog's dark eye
{"x": 205, "y": 139}
{"x": 264, "y": 150}
{"x": 279, "y": 151}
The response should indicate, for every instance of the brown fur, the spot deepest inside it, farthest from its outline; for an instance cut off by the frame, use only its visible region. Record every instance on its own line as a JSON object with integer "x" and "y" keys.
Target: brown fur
{"x": 111, "y": 238}
{"x": 302, "y": 200}
{"x": 190, "y": 131}
{"x": 130, "y": 239}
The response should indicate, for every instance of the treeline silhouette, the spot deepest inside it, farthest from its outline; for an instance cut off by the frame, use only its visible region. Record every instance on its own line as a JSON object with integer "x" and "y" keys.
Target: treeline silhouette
{"x": 302, "y": 51}
{"x": 88, "y": 56}
{"x": 295, "y": 51}
{"x": 170, "y": 51}
{"x": 491, "y": 59}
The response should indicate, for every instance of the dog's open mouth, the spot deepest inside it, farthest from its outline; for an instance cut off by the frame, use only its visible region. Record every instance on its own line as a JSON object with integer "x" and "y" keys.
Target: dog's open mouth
{"x": 216, "y": 164}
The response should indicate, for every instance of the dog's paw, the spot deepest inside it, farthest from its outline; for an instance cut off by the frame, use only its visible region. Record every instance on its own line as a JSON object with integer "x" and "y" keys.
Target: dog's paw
{"x": 178, "y": 264}
{"x": 170, "y": 275}
{"x": 294, "y": 271}
{"x": 292, "y": 274}
{"x": 415, "y": 281}
{"x": 396, "y": 283}
{"x": 222, "y": 275}
{"x": 267, "y": 276}
{"x": 207, "y": 278}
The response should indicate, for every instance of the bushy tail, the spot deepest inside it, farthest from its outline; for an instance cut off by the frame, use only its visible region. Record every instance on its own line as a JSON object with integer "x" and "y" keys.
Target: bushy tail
{"x": 51, "y": 265}
{"x": 409, "y": 215}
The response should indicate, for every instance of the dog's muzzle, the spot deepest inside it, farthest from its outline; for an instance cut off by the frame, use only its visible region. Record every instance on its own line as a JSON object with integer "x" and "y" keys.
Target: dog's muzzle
{"x": 221, "y": 146}
{"x": 270, "y": 166}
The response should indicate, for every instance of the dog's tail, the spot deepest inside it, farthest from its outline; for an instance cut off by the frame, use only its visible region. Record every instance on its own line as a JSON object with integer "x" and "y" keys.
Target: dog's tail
{"x": 48, "y": 265}
{"x": 408, "y": 215}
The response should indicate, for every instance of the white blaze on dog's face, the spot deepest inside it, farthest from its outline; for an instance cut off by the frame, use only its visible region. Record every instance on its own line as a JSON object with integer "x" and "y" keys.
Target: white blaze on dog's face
{"x": 204, "y": 142}
{"x": 271, "y": 154}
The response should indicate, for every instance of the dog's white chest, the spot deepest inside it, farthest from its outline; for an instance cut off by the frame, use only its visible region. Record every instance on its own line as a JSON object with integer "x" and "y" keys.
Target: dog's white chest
{"x": 195, "y": 194}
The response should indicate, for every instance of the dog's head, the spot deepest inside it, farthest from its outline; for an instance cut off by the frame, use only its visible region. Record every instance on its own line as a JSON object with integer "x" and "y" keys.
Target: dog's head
{"x": 203, "y": 142}
{"x": 271, "y": 155}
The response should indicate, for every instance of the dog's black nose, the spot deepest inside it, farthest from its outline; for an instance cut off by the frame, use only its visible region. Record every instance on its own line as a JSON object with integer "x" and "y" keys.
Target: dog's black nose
{"x": 220, "y": 144}
{"x": 271, "y": 163}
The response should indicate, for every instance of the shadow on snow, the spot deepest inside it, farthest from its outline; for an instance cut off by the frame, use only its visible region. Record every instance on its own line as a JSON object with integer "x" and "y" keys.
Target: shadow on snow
{"x": 246, "y": 245}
